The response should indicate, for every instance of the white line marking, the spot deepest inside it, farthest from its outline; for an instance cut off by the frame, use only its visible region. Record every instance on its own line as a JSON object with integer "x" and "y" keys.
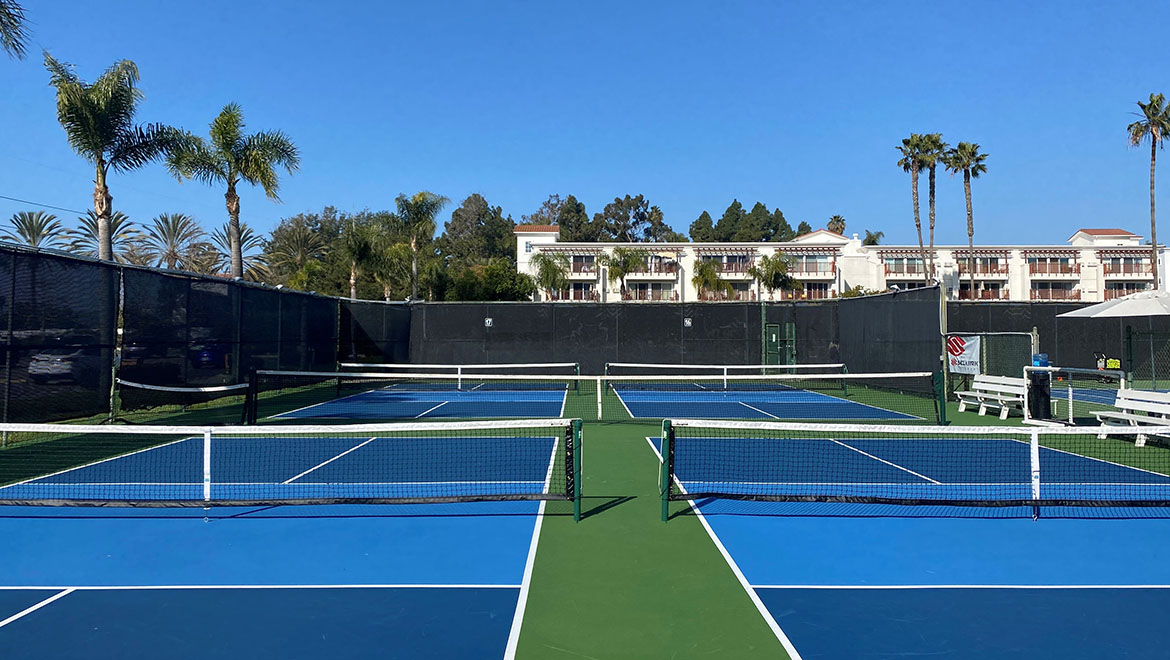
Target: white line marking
{"x": 431, "y": 410}
{"x": 962, "y": 586}
{"x": 793, "y": 654}
{"x": 34, "y": 608}
{"x": 757, "y": 410}
{"x": 104, "y": 460}
{"x": 882, "y": 460}
{"x": 75, "y": 484}
{"x": 564, "y": 400}
{"x": 325, "y": 403}
{"x": 150, "y": 587}
{"x": 324, "y": 463}
{"x": 622, "y": 401}
{"x": 526, "y": 581}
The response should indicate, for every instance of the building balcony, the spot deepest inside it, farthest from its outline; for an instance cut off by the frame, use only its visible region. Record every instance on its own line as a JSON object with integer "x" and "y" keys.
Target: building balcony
{"x": 1130, "y": 270}
{"x": 813, "y": 271}
{"x": 580, "y": 296}
{"x": 905, "y": 270}
{"x": 986, "y": 294}
{"x": 742, "y": 296}
{"x": 666, "y": 271}
{"x": 1048, "y": 270}
{"x": 807, "y": 294}
{"x": 988, "y": 271}
{"x": 647, "y": 294}
{"x": 1114, "y": 294}
{"x": 1055, "y": 294}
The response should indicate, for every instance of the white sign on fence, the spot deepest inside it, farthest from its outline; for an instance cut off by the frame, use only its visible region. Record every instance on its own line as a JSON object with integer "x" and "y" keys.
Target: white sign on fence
{"x": 963, "y": 354}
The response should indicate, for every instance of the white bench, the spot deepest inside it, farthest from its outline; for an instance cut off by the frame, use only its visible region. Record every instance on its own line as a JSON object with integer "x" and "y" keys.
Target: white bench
{"x": 1137, "y": 408}
{"x": 1003, "y": 392}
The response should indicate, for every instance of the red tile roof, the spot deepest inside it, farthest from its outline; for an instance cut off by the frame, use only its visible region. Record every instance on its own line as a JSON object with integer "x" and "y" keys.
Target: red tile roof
{"x": 526, "y": 228}
{"x": 1106, "y": 232}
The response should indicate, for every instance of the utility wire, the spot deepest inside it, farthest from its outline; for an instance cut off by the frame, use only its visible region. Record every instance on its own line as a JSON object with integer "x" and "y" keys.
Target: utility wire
{"x": 47, "y": 206}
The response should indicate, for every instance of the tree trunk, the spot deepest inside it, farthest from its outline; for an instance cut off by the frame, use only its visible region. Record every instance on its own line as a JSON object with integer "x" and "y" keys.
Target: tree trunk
{"x": 917, "y": 217}
{"x": 386, "y": 291}
{"x": 1153, "y": 224}
{"x": 970, "y": 230}
{"x": 233, "y": 209}
{"x": 102, "y": 203}
{"x": 930, "y": 254}
{"x": 413, "y": 268}
{"x": 353, "y": 280}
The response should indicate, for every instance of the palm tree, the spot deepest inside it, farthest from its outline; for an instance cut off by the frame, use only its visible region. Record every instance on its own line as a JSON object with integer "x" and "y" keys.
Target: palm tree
{"x": 35, "y": 229}
{"x": 417, "y": 217}
{"x": 873, "y": 237}
{"x": 551, "y": 269}
{"x": 123, "y": 236}
{"x": 706, "y": 279}
{"x": 622, "y": 262}
{"x": 169, "y": 239}
{"x": 98, "y": 120}
{"x": 1154, "y": 126}
{"x": 12, "y": 32}
{"x": 388, "y": 265}
{"x": 295, "y": 248}
{"x": 357, "y": 248}
{"x": 250, "y": 242}
{"x": 772, "y": 273}
{"x": 836, "y": 224}
{"x": 911, "y": 161}
{"x": 231, "y": 156}
{"x": 933, "y": 149}
{"x": 203, "y": 257}
{"x": 966, "y": 158}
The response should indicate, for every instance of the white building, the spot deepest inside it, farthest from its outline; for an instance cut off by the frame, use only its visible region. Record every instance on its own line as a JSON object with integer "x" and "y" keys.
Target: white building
{"x": 1094, "y": 265}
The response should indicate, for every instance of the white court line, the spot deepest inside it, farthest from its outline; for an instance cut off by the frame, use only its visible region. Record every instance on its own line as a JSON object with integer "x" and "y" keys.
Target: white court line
{"x": 757, "y": 410}
{"x": 155, "y": 587}
{"x": 882, "y": 460}
{"x": 324, "y": 463}
{"x": 793, "y": 654}
{"x": 104, "y": 460}
{"x": 526, "y": 581}
{"x": 34, "y": 608}
{"x": 962, "y": 586}
{"x": 622, "y": 401}
{"x": 431, "y": 410}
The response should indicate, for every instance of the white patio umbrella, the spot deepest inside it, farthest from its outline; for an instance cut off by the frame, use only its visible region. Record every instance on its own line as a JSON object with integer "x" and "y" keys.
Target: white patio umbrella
{"x": 1143, "y": 303}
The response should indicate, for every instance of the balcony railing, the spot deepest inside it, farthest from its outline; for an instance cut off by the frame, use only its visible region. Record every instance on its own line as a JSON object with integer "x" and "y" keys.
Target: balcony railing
{"x": 807, "y": 294}
{"x": 736, "y": 267}
{"x": 1128, "y": 269}
{"x": 1054, "y": 269}
{"x": 982, "y": 268}
{"x": 584, "y": 267}
{"x": 743, "y": 296}
{"x": 813, "y": 268}
{"x": 985, "y": 294}
{"x": 905, "y": 269}
{"x": 659, "y": 268}
{"x": 1056, "y": 294}
{"x": 649, "y": 294}
{"x": 1113, "y": 294}
{"x": 587, "y": 296}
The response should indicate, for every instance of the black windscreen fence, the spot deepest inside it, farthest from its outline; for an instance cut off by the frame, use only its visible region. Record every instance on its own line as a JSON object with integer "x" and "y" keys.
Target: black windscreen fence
{"x": 372, "y": 331}
{"x": 891, "y": 332}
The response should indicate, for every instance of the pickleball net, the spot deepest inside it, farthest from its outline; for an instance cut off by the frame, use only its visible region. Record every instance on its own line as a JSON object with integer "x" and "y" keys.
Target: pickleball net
{"x": 915, "y": 465}
{"x": 143, "y": 465}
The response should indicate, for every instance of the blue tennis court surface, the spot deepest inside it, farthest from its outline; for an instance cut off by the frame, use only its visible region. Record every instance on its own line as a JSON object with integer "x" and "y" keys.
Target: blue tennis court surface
{"x": 420, "y": 402}
{"x": 401, "y": 581}
{"x": 845, "y": 581}
{"x": 747, "y": 403}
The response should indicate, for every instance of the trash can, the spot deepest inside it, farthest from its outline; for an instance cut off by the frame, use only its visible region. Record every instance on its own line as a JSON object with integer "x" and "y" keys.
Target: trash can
{"x": 1039, "y": 389}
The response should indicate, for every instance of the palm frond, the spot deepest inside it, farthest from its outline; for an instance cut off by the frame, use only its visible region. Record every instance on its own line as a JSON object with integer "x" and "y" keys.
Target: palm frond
{"x": 13, "y": 34}
{"x": 227, "y": 129}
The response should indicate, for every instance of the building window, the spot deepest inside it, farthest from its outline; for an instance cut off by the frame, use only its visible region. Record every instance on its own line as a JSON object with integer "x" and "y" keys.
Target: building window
{"x": 1054, "y": 291}
{"x": 904, "y": 266}
{"x": 584, "y": 263}
{"x": 1115, "y": 290}
{"x": 528, "y": 246}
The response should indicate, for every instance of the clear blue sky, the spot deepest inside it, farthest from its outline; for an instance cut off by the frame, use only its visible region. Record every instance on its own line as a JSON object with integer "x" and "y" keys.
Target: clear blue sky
{"x": 797, "y": 105}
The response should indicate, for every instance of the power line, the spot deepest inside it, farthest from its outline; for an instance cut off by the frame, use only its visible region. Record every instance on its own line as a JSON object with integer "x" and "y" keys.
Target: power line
{"x": 47, "y": 206}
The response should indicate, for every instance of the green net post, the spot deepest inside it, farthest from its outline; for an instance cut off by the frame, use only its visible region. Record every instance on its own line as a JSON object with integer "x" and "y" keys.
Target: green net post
{"x": 251, "y": 398}
{"x": 577, "y": 460}
{"x": 664, "y": 476}
{"x": 940, "y": 396}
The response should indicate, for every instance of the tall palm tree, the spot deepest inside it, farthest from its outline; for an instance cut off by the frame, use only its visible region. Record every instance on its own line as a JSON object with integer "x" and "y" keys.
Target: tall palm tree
{"x": 250, "y": 245}
{"x": 84, "y": 239}
{"x": 836, "y": 224}
{"x": 417, "y": 217}
{"x": 911, "y": 161}
{"x": 98, "y": 120}
{"x": 357, "y": 248}
{"x": 295, "y": 248}
{"x": 169, "y": 239}
{"x": 705, "y": 278}
{"x": 965, "y": 158}
{"x": 551, "y": 272}
{"x": 1154, "y": 126}
{"x": 203, "y": 258}
{"x": 772, "y": 273}
{"x": 13, "y": 34}
{"x": 231, "y": 156}
{"x": 933, "y": 149}
{"x": 621, "y": 262}
{"x": 389, "y": 266}
{"x": 35, "y": 229}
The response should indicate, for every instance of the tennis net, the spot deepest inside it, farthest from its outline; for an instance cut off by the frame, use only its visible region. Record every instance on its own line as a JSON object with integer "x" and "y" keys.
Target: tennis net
{"x": 514, "y": 368}
{"x": 652, "y": 369}
{"x": 940, "y": 465}
{"x": 289, "y": 396}
{"x": 224, "y": 465}
{"x": 144, "y": 403}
